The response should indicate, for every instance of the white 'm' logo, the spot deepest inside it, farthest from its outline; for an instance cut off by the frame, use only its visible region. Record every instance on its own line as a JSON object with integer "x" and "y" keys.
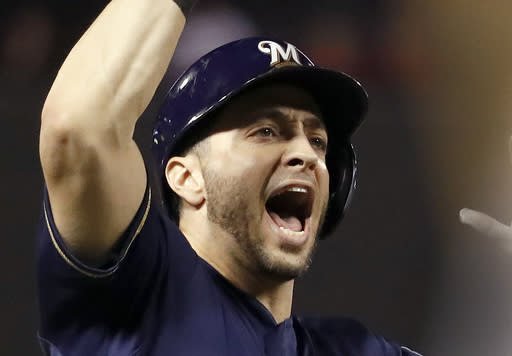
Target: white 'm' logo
{"x": 278, "y": 53}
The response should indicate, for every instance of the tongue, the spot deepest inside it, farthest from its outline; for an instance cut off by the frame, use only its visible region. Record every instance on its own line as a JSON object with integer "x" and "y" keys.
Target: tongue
{"x": 289, "y": 222}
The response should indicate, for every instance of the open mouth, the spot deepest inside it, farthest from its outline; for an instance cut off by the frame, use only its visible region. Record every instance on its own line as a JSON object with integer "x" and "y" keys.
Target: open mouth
{"x": 290, "y": 208}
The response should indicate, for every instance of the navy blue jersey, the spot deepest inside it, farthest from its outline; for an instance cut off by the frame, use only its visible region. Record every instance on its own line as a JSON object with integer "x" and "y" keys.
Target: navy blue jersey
{"x": 156, "y": 297}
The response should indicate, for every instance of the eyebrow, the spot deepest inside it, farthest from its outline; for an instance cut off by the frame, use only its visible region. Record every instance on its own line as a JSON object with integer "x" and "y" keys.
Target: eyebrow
{"x": 312, "y": 121}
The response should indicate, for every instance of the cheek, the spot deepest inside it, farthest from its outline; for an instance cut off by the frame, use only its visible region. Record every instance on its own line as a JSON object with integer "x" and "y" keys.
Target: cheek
{"x": 233, "y": 158}
{"x": 245, "y": 167}
{"x": 323, "y": 179}
{"x": 245, "y": 162}
{"x": 255, "y": 174}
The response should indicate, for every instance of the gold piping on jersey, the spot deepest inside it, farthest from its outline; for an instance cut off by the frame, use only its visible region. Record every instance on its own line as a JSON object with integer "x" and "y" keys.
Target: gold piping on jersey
{"x": 84, "y": 271}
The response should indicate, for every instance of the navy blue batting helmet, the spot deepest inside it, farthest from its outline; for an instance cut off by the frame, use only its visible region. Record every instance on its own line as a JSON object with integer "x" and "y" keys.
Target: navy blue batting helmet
{"x": 237, "y": 66}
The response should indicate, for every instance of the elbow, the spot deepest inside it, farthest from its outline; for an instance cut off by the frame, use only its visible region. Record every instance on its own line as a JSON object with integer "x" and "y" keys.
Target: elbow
{"x": 56, "y": 126}
{"x": 62, "y": 145}
{"x": 55, "y": 152}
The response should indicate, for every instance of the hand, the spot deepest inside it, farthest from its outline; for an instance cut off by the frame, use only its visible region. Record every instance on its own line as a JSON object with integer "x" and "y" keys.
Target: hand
{"x": 488, "y": 225}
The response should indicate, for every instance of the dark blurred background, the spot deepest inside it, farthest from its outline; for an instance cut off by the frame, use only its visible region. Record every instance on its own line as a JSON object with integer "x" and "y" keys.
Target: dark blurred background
{"x": 435, "y": 140}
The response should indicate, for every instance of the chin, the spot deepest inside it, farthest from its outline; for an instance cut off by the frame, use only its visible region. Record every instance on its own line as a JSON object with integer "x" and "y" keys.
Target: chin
{"x": 284, "y": 272}
{"x": 283, "y": 265}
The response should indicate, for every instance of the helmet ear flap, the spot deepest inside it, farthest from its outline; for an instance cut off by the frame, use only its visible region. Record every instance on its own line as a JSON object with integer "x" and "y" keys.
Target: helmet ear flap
{"x": 342, "y": 170}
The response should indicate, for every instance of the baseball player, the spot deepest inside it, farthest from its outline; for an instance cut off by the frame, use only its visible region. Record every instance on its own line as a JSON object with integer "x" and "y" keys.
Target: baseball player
{"x": 255, "y": 164}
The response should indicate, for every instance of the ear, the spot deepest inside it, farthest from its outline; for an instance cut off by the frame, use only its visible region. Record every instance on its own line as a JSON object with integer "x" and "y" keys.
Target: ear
{"x": 185, "y": 178}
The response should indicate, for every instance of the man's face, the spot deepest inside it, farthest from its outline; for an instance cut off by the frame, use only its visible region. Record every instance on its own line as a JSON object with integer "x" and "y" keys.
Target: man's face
{"x": 267, "y": 183}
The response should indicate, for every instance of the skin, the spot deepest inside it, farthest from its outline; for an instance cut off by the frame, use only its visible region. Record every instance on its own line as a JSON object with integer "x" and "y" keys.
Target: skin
{"x": 92, "y": 167}
{"x": 266, "y": 138}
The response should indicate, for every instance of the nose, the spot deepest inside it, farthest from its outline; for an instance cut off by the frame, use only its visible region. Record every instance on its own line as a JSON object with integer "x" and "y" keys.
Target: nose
{"x": 300, "y": 154}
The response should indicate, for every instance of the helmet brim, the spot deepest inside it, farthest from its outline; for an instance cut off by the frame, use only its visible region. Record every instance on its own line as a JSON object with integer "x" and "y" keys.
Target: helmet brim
{"x": 342, "y": 100}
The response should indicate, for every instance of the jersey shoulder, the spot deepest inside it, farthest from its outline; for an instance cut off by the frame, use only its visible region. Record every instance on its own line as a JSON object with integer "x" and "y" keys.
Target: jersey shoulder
{"x": 346, "y": 336}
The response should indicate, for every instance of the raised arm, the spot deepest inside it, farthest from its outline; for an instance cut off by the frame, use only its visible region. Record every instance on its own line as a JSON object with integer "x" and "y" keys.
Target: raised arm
{"x": 93, "y": 169}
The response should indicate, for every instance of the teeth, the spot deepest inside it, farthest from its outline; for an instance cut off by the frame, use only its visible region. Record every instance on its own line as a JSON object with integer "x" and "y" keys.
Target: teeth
{"x": 291, "y": 232}
{"x": 297, "y": 190}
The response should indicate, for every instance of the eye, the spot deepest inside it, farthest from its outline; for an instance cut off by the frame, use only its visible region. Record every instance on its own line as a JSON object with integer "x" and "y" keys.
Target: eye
{"x": 266, "y": 132}
{"x": 319, "y": 143}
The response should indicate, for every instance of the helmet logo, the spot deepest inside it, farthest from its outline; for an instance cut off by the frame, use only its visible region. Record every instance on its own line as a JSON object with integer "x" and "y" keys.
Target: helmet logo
{"x": 278, "y": 54}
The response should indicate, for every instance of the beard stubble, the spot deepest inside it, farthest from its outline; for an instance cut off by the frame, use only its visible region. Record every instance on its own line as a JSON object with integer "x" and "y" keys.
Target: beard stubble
{"x": 229, "y": 207}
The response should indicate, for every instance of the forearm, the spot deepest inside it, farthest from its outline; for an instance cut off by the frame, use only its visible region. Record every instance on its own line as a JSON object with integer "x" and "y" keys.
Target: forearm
{"x": 112, "y": 73}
